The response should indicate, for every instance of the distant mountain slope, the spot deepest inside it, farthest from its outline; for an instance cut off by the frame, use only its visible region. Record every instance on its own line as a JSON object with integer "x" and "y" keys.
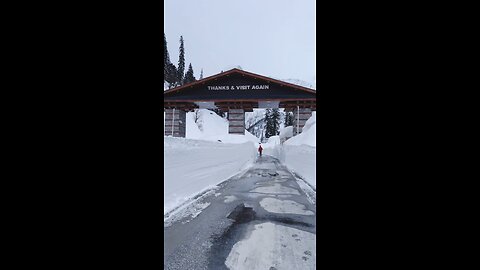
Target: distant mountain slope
{"x": 299, "y": 82}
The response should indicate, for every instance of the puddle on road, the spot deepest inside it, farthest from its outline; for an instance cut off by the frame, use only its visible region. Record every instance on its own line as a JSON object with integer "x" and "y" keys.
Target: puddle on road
{"x": 242, "y": 214}
{"x": 272, "y": 243}
{"x": 287, "y": 220}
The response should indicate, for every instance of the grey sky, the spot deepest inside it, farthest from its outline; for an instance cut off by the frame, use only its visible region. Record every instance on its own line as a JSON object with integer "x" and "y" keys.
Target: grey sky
{"x": 274, "y": 38}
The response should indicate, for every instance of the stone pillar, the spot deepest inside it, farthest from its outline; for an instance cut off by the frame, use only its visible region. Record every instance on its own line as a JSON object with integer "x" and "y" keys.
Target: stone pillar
{"x": 236, "y": 121}
{"x": 177, "y": 120}
{"x": 302, "y": 115}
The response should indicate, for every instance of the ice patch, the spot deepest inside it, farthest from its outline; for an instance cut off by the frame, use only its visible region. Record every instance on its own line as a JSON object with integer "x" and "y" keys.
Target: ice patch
{"x": 256, "y": 195}
{"x": 280, "y": 180}
{"x": 272, "y": 246}
{"x": 284, "y": 207}
{"x": 283, "y": 196}
{"x": 230, "y": 198}
{"x": 199, "y": 208}
{"x": 311, "y": 194}
{"x": 266, "y": 166}
{"x": 276, "y": 189}
{"x": 186, "y": 214}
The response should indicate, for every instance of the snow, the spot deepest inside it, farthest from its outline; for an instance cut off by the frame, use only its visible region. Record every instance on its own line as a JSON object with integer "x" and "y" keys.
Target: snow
{"x": 299, "y": 159}
{"x": 188, "y": 211}
{"x": 300, "y": 82}
{"x": 299, "y": 152}
{"x": 194, "y": 166}
{"x": 284, "y": 207}
{"x": 209, "y": 155}
{"x": 273, "y": 246}
{"x": 272, "y": 142}
{"x": 308, "y": 135}
{"x": 211, "y": 127}
{"x": 286, "y": 132}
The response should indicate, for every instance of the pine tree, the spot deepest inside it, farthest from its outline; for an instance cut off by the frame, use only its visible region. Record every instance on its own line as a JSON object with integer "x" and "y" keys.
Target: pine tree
{"x": 276, "y": 121}
{"x": 166, "y": 58}
{"x": 268, "y": 121}
{"x": 201, "y": 74}
{"x": 171, "y": 75}
{"x": 288, "y": 119}
{"x": 181, "y": 63}
{"x": 189, "y": 77}
{"x": 272, "y": 119}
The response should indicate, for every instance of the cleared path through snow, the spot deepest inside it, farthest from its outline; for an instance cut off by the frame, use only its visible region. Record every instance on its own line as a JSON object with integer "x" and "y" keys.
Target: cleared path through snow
{"x": 258, "y": 220}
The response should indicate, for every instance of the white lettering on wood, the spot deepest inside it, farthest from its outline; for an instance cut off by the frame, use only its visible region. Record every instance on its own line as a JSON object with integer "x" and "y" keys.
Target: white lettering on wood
{"x": 239, "y": 87}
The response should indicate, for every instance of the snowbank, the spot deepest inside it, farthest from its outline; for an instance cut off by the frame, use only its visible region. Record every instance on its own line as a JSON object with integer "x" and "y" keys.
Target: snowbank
{"x": 271, "y": 142}
{"x": 300, "y": 159}
{"x": 308, "y": 135}
{"x": 193, "y": 166}
{"x": 299, "y": 153}
{"x": 206, "y": 157}
{"x": 286, "y": 132}
{"x": 207, "y": 125}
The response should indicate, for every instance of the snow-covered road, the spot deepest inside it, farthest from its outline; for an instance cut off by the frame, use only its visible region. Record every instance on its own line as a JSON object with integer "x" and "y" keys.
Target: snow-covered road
{"x": 259, "y": 219}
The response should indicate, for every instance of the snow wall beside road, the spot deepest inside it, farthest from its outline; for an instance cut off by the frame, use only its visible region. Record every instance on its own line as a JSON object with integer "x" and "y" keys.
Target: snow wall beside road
{"x": 194, "y": 166}
{"x": 300, "y": 159}
{"x": 298, "y": 153}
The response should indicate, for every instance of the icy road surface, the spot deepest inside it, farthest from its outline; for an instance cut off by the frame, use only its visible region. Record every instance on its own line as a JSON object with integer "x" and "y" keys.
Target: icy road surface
{"x": 260, "y": 219}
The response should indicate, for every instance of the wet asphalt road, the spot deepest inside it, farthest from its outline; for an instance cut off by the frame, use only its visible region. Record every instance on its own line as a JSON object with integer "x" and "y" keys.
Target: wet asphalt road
{"x": 204, "y": 240}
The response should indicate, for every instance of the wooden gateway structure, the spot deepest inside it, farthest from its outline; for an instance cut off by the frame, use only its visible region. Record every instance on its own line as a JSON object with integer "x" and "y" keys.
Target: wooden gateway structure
{"x": 236, "y": 92}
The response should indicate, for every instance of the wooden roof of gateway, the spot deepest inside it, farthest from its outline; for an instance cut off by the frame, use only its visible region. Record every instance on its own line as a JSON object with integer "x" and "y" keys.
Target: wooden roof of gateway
{"x": 243, "y": 73}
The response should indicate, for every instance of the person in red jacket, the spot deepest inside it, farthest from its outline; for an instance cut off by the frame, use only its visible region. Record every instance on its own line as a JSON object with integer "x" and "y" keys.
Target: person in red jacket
{"x": 260, "y": 149}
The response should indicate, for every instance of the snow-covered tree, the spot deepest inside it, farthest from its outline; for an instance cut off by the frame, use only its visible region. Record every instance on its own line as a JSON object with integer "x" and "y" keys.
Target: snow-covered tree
{"x": 196, "y": 115}
{"x": 288, "y": 119}
{"x": 201, "y": 74}
{"x": 255, "y": 122}
{"x": 272, "y": 119}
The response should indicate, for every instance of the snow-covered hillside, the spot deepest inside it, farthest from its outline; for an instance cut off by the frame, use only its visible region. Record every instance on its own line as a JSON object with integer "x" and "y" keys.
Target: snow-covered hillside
{"x": 300, "y": 82}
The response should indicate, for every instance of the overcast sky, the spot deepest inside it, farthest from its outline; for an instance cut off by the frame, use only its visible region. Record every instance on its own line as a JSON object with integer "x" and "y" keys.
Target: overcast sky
{"x": 275, "y": 38}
